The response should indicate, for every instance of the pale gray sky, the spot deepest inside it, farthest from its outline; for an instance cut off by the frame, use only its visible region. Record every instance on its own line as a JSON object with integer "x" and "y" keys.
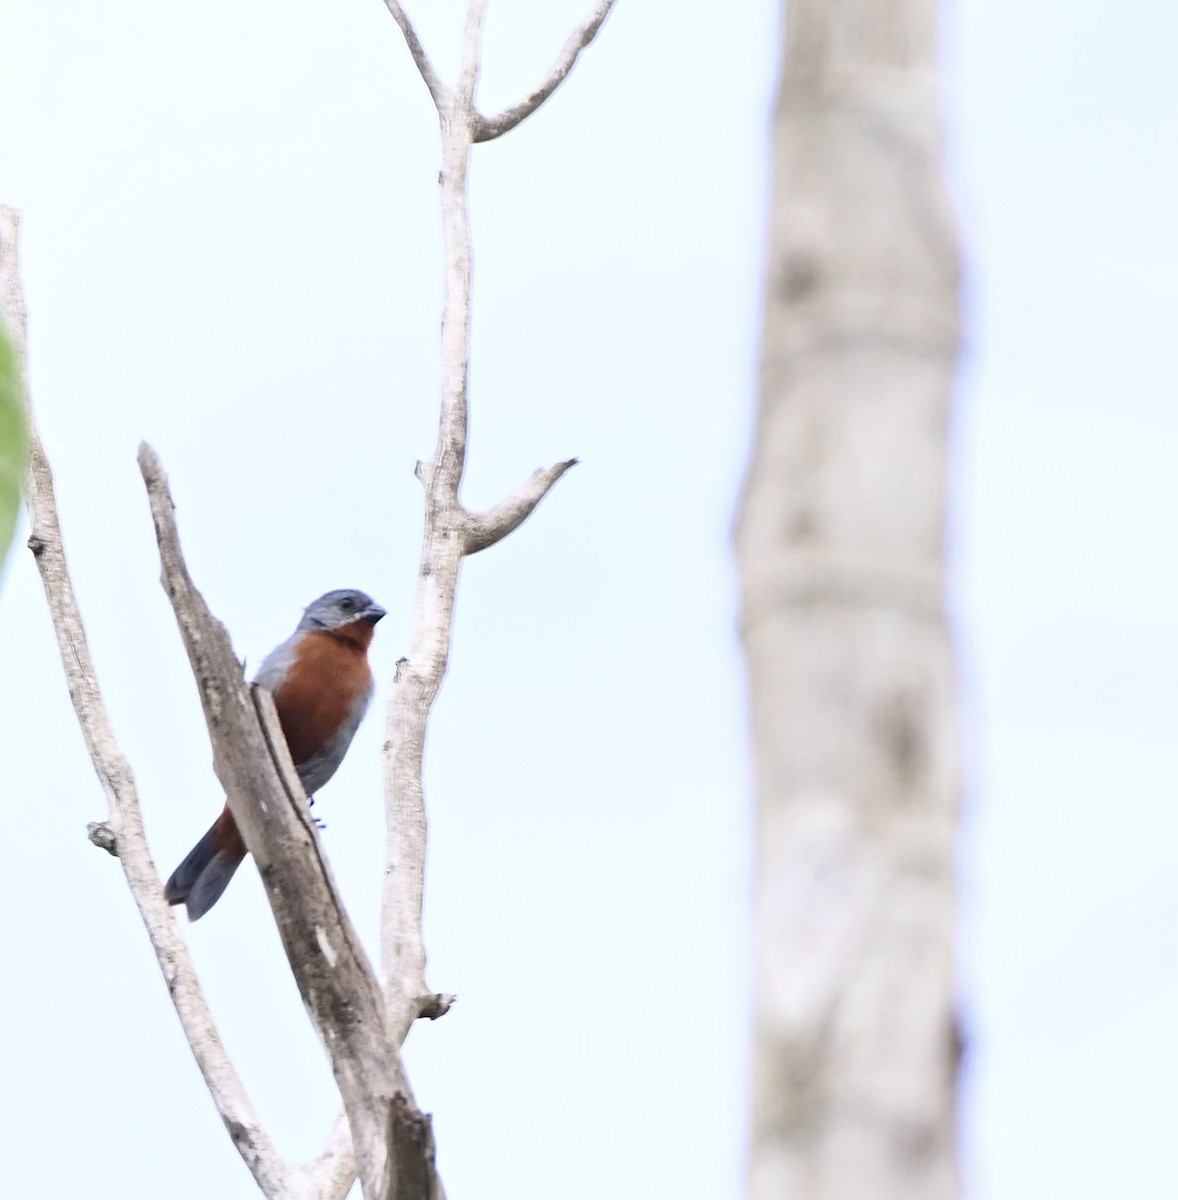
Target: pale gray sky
{"x": 231, "y": 249}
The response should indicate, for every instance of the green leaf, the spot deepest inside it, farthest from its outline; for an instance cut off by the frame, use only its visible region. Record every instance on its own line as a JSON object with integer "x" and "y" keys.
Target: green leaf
{"x": 13, "y": 443}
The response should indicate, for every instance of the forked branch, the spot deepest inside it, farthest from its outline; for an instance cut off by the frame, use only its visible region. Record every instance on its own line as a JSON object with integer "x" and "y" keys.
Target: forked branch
{"x": 486, "y": 129}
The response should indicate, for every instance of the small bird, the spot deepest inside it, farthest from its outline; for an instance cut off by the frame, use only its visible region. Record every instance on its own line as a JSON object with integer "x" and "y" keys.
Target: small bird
{"x": 321, "y": 683}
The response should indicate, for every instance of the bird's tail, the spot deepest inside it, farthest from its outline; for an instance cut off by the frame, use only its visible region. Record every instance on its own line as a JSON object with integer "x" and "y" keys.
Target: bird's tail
{"x": 199, "y": 880}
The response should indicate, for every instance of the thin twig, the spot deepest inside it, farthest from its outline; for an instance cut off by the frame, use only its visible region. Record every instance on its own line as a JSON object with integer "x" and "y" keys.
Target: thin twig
{"x": 122, "y": 834}
{"x": 488, "y": 128}
{"x": 472, "y": 53}
{"x": 437, "y": 89}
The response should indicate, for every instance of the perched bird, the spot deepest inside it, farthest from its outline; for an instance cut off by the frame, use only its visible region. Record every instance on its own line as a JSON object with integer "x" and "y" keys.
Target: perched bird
{"x": 321, "y": 684}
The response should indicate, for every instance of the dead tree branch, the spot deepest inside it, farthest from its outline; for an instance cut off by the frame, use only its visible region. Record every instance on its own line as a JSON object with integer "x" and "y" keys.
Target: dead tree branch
{"x": 338, "y": 986}
{"x": 122, "y": 832}
{"x": 450, "y": 534}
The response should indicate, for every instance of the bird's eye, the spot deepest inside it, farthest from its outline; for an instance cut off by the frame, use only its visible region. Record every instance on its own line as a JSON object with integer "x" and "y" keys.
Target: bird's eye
{"x": 347, "y": 604}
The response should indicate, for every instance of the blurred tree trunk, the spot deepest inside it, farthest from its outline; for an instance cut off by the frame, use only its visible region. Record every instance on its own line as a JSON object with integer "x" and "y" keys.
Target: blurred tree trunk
{"x": 841, "y": 550}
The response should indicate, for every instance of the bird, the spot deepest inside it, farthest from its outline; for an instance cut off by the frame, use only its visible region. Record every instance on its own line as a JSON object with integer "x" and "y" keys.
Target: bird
{"x": 321, "y": 683}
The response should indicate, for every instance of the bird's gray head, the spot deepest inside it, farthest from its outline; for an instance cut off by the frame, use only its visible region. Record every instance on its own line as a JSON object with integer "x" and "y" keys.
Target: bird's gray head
{"x": 340, "y": 607}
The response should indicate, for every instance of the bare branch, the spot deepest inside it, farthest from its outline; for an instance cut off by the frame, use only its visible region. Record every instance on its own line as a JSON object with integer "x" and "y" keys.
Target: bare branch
{"x": 449, "y": 534}
{"x": 331, "y": 1174}
{"x": 472, "y": 53}
{"x": 252, "y": 761}
{"x": 419, "y": 676}
{"x": 123, "y": 835}
{"x": 488, "y": 128}
{"x": 437, "y": 89}
{"x": 485, "y": 529}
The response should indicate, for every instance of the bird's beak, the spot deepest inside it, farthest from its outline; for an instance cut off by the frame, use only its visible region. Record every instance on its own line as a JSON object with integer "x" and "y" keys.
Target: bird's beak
{"x": 372, "y": 614}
